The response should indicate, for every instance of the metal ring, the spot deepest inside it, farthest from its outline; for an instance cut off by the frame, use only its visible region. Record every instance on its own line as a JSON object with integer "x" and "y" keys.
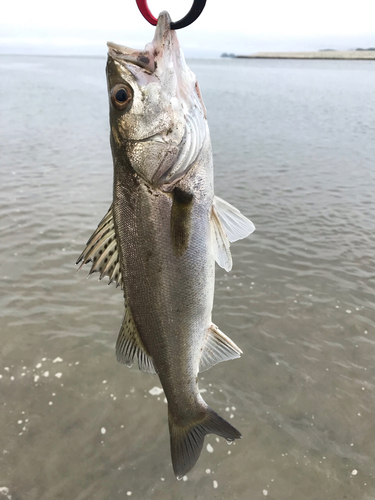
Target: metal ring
{"x": 191, "y": 16}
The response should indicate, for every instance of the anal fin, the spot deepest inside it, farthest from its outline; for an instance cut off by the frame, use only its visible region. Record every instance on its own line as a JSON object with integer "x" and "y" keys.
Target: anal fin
{"x": 129, "y": 345}
{"x": 218, "y": 347}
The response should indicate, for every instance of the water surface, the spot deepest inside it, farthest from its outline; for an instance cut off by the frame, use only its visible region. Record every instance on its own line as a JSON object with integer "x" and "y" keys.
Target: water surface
{"x": 294, "y": 150}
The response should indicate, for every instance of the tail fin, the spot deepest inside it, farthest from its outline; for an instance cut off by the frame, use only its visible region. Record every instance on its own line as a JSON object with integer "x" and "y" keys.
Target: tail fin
{"x": 187, "y": 441}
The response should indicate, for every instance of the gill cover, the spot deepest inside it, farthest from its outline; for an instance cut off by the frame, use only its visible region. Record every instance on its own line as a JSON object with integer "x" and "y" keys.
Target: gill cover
{"x": 159, "y": 120}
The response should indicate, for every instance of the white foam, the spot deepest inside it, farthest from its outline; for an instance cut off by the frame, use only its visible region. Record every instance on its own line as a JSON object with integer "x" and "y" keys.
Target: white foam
{"x": 209, "y": 448}
{"x": 57, "y": 360}
{"x": 184, "y": 478}
{"x": 129, "y": 493}
{"x": 39, "y": 365}
{"x": 58, "y": 375}
{"x": 215, "y": 484}
{"x": 265, "y": 493}
{"x": 46, "y": 374}
{"x": 36, "y": 378}
{"x": 354, "y": 472}
{"x": 156, "y": 391}
{"x": 208, "y": 471}
{"x": 103, "y": 430}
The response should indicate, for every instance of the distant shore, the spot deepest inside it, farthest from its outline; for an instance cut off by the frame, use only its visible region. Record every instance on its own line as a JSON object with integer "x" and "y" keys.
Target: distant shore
{"x": 323, "y": 54}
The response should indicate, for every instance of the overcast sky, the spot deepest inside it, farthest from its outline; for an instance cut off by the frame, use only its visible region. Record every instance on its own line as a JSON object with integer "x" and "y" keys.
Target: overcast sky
{"x": 239, "y": 26}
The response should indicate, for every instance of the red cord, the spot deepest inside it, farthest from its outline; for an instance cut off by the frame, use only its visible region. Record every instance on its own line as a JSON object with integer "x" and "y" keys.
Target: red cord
{"x": 146, "y": 13}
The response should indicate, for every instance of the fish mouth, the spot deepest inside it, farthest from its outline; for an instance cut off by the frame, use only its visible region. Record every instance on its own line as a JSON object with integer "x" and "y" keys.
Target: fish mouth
{"x": 145, "y": 59}
{"x": 142, "y": 58}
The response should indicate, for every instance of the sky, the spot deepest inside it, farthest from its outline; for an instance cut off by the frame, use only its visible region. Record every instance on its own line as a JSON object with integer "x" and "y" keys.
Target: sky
{"x": 82, "y": 27}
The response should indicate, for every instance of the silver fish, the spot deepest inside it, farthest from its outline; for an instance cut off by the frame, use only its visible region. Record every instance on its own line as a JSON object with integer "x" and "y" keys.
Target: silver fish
{"x": 164, "y": 231}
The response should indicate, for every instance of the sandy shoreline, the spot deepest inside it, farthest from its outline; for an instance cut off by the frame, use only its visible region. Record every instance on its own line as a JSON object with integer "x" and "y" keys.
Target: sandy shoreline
{"x": 324, "y": 54}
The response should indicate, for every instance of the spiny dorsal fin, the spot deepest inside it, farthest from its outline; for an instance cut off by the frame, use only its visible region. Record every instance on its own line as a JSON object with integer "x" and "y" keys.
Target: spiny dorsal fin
{"x": 101, "y": 250}
{"x": 236, "y": 225}
{"x": 218, "y": 347}
{"x": 129, "y": 345}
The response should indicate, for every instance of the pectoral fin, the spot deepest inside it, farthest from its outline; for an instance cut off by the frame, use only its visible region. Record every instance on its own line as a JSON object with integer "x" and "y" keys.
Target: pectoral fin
{"x": 227, "y": 225}
{"x": 236, "y": 225}
{"x": 218, "y": 347}
{"x": 221, "y": 246}
{"x": 101, "y": 250}
{"x": 129, "y": 345}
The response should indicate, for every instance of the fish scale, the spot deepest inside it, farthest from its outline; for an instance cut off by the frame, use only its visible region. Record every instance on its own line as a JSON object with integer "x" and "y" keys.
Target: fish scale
{"x": 164, "y": 231}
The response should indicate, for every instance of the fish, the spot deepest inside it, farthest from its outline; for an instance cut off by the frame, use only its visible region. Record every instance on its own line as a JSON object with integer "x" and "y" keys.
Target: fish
{"x": 163, "y": 233}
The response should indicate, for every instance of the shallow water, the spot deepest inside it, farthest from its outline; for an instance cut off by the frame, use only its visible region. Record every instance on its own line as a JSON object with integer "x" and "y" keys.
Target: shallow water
{"x": 294, "y": 149}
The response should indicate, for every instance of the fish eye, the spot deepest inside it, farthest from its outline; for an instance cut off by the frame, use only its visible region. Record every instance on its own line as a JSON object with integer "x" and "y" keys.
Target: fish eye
{"x": 121, "y": 96}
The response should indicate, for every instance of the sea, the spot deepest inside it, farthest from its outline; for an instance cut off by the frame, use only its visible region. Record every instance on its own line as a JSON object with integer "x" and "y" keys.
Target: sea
{"x": 294, "y": 150}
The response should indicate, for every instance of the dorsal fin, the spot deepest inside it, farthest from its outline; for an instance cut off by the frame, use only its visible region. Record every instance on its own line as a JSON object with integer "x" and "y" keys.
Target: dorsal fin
{"x": 101, "y": 250}
{"x": 129, "y": 345}
{"x": 218, "y": 347}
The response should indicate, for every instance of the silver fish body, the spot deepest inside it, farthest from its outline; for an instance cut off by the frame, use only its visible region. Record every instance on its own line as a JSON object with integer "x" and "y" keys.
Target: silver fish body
{"x": 163, "y": 232}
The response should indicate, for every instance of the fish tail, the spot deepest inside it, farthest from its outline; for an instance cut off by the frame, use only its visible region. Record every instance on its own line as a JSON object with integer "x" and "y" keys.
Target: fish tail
{"x": 187, "y": 441}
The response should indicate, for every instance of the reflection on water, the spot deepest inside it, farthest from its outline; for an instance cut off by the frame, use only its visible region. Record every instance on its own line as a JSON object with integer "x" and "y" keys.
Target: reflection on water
{"x": 294, "y": 150}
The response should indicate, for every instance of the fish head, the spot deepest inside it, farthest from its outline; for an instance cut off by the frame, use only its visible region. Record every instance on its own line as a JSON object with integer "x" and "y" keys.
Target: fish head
{"x": 157, "y": 115}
